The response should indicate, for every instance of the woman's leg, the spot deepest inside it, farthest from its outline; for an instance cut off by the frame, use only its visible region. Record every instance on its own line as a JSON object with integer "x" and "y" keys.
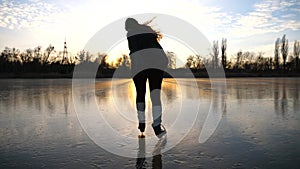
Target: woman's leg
{"x": 155, "y": 77}
{"x": 140, "y": 85}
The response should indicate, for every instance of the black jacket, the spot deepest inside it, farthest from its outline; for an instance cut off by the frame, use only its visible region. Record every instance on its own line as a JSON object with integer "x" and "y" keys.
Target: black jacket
{"x": 142, "y": 41}
{"x": 145, "y": 51}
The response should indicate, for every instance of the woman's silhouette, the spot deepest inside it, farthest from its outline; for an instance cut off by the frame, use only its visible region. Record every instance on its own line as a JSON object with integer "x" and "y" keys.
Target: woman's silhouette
{"x": 148, "y": 61}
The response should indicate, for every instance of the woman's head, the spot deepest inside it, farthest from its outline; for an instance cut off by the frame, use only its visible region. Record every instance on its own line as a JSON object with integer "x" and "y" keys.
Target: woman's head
{"x": 131, "y": 24}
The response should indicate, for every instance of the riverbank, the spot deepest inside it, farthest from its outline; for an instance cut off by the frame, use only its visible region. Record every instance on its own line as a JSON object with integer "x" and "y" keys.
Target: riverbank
{"x": 173, "y": 74}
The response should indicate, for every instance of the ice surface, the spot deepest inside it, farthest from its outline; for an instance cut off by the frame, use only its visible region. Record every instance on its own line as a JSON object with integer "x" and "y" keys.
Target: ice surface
{"x": 259, "y": 125}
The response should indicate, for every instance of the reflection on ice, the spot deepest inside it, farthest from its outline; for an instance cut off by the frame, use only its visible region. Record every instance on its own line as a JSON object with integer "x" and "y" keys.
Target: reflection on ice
{"x": 115, "y": 118}
{"x": 157, "y": 155}
{"x": 259, "y": 124}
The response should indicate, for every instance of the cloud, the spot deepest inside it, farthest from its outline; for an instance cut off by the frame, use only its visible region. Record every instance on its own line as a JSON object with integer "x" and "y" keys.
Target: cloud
{"x": 267, "y": 16}
{"x": 289, "y": 16}
{"x": 21, "y": 14}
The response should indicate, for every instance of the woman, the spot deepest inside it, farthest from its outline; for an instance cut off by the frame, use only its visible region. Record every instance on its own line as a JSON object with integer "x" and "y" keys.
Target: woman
{"x": 148, "y": 61}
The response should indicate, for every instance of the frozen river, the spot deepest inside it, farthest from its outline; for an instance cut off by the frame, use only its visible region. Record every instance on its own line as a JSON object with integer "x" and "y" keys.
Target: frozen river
{"x": 246, "y": 123}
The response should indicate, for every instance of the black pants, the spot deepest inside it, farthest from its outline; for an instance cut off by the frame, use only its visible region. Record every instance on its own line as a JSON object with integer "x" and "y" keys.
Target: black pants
{"x": 154, "y": 77}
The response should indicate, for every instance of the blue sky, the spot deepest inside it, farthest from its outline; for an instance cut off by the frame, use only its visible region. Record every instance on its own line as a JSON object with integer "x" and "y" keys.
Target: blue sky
{"x": 251, "y": 25}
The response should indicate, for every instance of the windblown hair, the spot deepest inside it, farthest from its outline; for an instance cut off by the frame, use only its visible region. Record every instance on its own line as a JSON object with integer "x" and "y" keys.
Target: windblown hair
{"x": 158, "y": 33}
{"x": 130, "y": 22}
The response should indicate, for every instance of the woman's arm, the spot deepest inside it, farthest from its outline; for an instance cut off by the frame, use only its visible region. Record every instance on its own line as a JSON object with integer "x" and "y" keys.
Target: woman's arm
{"x": 132, "y": 44}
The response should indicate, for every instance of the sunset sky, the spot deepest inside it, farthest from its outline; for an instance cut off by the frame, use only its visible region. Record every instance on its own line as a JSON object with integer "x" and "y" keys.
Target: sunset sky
{"x": 251, "y": 25}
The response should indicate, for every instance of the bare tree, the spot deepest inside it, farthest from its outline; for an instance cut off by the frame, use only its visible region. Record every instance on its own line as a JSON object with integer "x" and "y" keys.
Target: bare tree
{"x": 30, "y": 55}
{"x": 172, "y": 60}
{"x": 47, "y": 53}
{"x": 83, "y": 56}
{"x": 199, "y": 63}
{"x": 215, "y": 54}
{"x": 190, "y": 61}
{"x": 238, "y": 63}
{"x": 223, "y": 50}
{"x": 37, "y": 53}
{"x": 284, "y": 50}
{"x": 119, "y": 62}
{"x": 195, "y": 62}
{"x": 123, "y": 61}
{"x": 297, "y": 52}
{"x": 11, "y": 54}
{"x": 261, "y": 62}
{"x": 276, "y": 54}
{"x": 127, "y": 61}
{"x": 103, "y": 61}
{"x": 247, "y": 61}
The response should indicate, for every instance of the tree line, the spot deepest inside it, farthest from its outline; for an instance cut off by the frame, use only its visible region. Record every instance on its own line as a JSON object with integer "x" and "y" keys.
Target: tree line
{"x": 250, "y": 61}
{"x": 36, "y": 60}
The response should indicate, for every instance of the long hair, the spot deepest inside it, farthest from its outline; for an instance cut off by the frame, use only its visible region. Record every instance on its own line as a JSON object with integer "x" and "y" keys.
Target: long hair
{"x": 131, "y": 22}
{"x": 158, "y": 33}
